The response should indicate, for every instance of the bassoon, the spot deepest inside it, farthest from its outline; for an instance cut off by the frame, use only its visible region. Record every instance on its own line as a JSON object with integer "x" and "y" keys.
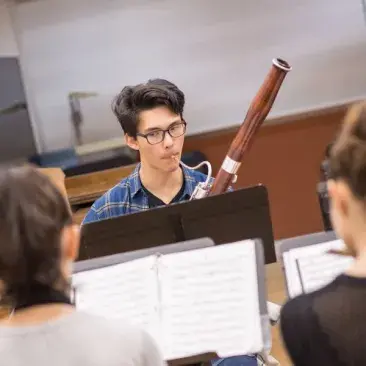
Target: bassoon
{"x": 256, "y": 114}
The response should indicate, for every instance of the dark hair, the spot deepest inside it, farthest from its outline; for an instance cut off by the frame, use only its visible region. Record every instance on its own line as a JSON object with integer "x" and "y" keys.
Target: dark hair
{"x": 348, "y": 154}
{"x": 134, "y": 99}
{"x": 328, "y": 149}
{"x": 33, "y": 212}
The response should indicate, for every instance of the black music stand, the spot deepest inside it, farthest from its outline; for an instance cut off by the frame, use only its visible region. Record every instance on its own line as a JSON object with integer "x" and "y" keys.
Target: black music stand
{"x": 225, "y": 218}
{"x": 203, "y": 359}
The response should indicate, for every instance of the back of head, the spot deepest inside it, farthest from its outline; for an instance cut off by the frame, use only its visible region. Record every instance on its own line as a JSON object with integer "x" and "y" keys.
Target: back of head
{"x": 134, "y": 99}
{"x": 347, "y": 159}
{"x": 33, "y": 213}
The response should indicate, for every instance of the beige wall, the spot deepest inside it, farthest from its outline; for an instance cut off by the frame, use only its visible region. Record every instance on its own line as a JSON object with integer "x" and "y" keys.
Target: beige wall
{"x": 286, "y": 159}
{"x": 8, "y": 45}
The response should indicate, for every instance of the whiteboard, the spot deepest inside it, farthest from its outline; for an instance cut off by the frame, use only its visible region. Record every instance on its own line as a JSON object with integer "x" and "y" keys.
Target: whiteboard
{"x": 218, "y": 52}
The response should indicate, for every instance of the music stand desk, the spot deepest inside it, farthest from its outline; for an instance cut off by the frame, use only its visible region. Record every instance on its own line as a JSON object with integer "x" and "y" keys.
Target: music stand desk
{"x": 285, "y": 245}
{"x": 110, "y": 260}
{"x": 225, "y": 218}
{"x": 203, "y": 359}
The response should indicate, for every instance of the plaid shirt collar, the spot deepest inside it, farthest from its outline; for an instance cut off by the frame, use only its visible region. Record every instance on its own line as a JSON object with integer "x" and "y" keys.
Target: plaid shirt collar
{"x": 136, "y": 187}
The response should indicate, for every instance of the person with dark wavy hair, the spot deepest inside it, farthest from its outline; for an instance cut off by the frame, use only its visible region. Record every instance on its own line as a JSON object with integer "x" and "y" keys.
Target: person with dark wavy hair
{"x": 328, "y": 326}
{"x": 151, "y": 117}
{"x": 322, "y": 190}
{"x": 39, "y": 325}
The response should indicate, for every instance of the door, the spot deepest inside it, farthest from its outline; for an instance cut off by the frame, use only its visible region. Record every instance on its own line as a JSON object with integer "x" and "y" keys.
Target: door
{"x": 16, "y": 135}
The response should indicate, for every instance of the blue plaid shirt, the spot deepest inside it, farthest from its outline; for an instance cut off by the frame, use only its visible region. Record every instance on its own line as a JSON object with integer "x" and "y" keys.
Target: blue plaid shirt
{"x": 128, "y": 196}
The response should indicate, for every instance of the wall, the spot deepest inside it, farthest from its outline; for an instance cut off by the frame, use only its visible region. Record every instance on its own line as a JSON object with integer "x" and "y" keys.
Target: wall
{"x": 286, "y": 158}
{"x": 217, "y": 52}
{"x": 8, "y": 45}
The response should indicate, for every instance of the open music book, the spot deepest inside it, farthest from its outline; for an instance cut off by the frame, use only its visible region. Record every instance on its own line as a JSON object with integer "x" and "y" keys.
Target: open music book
{"x": 309, "y": 268}
{"x": 203, "y": 300}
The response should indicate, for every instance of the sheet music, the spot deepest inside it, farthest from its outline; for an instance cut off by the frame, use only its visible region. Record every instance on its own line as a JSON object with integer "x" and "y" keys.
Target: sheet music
{"x": 124, "y": 291}
{"x": 310, "y": 268}
{"x": 210, "y": 301}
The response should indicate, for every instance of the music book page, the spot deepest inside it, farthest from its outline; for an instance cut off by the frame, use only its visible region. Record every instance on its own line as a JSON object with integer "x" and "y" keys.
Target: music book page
{"x": 210, "y": 301}
{"x": 311, "y": 268}
{"x": 126, "y": 291}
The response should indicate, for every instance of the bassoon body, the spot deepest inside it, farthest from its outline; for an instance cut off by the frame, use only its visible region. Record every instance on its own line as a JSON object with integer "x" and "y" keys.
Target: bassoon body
{"x": 256, "y": 114}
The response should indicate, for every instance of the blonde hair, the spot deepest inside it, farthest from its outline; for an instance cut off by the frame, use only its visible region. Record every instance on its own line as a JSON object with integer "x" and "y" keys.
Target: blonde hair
{"x": 348, "y": 154}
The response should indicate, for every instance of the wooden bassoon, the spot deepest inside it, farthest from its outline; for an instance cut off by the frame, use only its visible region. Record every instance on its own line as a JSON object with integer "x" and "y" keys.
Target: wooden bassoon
{"x": 256, "y": 114}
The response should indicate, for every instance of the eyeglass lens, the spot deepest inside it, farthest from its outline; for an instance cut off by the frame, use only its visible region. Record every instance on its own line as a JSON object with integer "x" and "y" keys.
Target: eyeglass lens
{"x": 174, "y": 131}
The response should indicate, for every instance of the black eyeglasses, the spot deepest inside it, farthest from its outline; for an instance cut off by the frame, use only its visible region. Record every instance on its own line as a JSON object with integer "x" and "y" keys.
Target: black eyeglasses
{"x": 157, "y": 136}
